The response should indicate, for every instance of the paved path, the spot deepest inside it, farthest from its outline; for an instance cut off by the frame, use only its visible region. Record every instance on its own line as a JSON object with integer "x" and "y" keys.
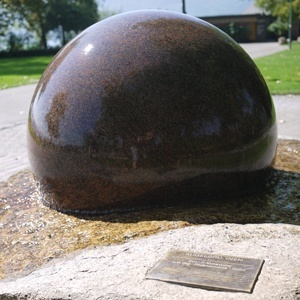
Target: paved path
{"x": 14, "y": 106}
{"x": 256, "y": 50}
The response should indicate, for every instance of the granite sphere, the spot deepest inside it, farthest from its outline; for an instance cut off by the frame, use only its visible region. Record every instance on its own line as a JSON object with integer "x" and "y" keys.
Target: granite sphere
{"x": 150, "y": 108}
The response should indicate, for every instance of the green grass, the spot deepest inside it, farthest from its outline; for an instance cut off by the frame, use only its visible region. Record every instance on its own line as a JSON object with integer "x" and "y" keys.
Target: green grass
{"x": 20, "y": 71}
{"x": 282, "y": 71}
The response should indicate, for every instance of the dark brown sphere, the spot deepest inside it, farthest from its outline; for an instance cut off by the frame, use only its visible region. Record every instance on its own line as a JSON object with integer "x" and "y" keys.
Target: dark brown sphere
{"x": 150, "y": 108}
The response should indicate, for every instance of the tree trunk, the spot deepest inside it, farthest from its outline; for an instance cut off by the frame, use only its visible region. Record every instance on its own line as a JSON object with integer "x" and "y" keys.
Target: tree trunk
{"x": 43, "y": 35}
{"x": 44, "y": 39}
{"x": 63, "y": 35}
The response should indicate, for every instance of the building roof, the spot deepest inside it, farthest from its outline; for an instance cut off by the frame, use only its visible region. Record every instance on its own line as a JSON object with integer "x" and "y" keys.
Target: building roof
{"x": 199, "y": 8}
{"x": 206, "y": 8}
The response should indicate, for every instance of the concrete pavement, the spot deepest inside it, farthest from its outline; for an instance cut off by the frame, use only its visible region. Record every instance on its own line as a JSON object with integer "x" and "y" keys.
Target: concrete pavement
{"x": 287, "y": 111}
{"x": 14, "y": 106}
{"x": 256, "y": 50}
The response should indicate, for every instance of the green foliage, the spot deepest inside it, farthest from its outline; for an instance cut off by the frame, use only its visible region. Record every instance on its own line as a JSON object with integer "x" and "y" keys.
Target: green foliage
{"x": 5, "y": 19}
{"x": 71, "y": 15}
{"x": 40, "y": 16}
{"x": 236, "y": 31}
{"x": 281, "y": 71}
{"x": 278, "y": 27}
{"x": 32, "y": 14}
{"x": 105, "y": 13}
{"x": 15, "y": 42}
{"x": 281, "y": 10}
{"x": 9, "y": 39}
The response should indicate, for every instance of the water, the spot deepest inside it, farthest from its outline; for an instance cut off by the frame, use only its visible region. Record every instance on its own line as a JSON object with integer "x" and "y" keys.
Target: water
{"x": 32, "y": 234}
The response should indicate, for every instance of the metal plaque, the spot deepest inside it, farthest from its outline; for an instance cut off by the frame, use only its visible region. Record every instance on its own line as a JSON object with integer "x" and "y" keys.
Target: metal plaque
{"x": 208, "y": 271}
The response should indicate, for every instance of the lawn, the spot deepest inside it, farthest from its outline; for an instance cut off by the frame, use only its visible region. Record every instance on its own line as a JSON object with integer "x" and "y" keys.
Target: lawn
{"x": 20, "y": 71}
{"x": 282, "y": 71}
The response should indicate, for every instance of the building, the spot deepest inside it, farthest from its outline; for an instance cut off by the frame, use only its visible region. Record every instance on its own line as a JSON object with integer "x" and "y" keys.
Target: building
{"x": 242, "y": 20}
{"x": 244, "y": 28}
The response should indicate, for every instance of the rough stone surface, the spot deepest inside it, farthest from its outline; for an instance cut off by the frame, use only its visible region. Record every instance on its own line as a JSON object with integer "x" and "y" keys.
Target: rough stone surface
{"x": 32, "y": 234}
{"x": 118, "y": 272}
{"x": 145, "y": 107}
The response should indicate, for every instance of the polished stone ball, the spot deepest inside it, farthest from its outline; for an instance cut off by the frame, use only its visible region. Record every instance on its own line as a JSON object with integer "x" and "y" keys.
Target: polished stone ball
{"x": 150, "y": 108}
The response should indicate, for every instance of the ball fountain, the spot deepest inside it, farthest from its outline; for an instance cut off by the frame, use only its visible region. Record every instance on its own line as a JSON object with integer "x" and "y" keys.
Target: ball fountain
{"x": 150, "y": 108}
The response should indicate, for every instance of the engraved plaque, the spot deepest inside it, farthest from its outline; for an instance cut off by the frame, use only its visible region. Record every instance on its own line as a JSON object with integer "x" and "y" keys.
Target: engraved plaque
{"x": 208, "y": 271}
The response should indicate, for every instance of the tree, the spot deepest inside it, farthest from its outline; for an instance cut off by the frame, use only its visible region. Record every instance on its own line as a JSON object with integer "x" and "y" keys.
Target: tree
{"x": 71, "y": 15}
{"x": 12, "y": 37}
{"x": 281, "y": 10}
{"x": 5, "y": 19}
{"x": 33, "y": 12}
{"x": 40, "y": 16}
{"x": 105, "y": 12}
{"x": 5, "y": 22}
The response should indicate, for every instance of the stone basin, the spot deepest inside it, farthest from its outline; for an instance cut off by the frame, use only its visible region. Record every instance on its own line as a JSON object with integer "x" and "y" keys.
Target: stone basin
{"x": 32, "y": 234}
{"x": 146, "y": 109}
